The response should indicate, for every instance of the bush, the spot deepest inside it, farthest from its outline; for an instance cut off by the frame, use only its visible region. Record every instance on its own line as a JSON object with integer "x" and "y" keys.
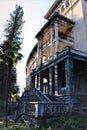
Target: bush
{"x": 64, "y": 122}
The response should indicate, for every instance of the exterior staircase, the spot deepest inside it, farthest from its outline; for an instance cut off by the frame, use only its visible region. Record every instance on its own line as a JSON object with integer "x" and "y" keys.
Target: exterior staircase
{"x": 36, "y": 108}
{"x": 29, "y": 101}
{"x": 42, "y": 96}
{"x": 57, "y": 98}
{"x": 29, "y": 96}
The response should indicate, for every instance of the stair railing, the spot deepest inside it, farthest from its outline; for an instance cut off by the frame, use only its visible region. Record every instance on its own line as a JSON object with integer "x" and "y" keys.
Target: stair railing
{"x": 41, "y": 96}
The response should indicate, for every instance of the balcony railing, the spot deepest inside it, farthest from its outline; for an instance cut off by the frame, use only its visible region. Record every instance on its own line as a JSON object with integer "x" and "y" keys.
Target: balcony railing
{"x": 42, "y": 109}
{"x": 45, "y": 44}
{"x": 62, "y": 38}
{"x": 66, "y": 38}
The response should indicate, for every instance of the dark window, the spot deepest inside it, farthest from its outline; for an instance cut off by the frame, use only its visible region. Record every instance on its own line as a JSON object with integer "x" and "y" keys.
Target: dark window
{"x": 58, "y": 11}
{"x": 62, "y": 9}
{"x": 67, "y": 3}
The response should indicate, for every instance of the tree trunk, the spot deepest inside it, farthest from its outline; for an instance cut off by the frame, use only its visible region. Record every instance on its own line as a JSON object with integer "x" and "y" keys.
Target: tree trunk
{"x": 7, "y": 92}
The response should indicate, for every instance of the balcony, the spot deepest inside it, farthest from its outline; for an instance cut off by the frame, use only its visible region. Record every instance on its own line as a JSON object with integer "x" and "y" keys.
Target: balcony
{"x": 63, "y": 39}
{"x": 66, "y": 38}
{"x": 45, "y": 44}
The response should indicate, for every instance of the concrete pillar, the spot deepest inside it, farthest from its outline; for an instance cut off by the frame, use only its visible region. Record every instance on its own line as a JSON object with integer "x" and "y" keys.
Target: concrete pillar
{"x": 36, "y": 81}
{"x": 51, "y": 40}
{"x": 56, "y": 79}
{"x": 56, "y": 36}
{"x": 60, "y": 81}
{"x": 41, "y": 109}
{"x": 38, "y": 53}
{"x": 69, "y": 75}
{"x": 40, "y": 48}
{"x": 32, "y": 81}
{"x": 50, "y": 81}
{"x": 36, "y": 110}
{"x": 41, "y": 81}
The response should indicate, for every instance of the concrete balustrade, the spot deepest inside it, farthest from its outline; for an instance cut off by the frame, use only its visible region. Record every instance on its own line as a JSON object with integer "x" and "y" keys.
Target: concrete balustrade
{"x": 43, "y": 109}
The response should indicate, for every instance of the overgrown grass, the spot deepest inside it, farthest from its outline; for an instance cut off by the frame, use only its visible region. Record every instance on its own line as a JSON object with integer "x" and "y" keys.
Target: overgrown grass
{"x": 69, "y": 122}
{"x": 64, "y": 122}
{"x": 15, "y": 126}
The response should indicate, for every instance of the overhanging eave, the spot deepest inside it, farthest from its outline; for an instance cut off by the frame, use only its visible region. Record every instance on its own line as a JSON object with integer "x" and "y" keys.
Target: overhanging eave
{"x": 55, "y": 15}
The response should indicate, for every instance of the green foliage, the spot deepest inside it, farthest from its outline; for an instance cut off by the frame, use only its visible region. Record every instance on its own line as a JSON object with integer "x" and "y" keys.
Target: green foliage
{"x": 16, "y": 126}
{"x": 9, "y": 49}
{"x": 14, "y": 89}
{"x": 12, "y": 44}
{"x": 67, "y": 122}
{"x": 64, "y": 122}
{"x": 14, "y": 26}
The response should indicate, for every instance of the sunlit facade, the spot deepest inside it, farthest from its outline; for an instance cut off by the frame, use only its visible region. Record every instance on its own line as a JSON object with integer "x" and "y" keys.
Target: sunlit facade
{"x": 56, "y": 69}
{"x": 58, "y": 62}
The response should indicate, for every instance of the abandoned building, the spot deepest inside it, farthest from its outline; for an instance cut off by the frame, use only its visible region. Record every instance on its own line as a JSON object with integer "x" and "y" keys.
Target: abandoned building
{"x": 56, "y": 69}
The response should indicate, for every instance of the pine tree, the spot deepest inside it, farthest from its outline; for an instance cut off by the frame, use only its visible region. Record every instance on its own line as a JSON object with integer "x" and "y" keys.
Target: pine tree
{"x": 12, "y": 45}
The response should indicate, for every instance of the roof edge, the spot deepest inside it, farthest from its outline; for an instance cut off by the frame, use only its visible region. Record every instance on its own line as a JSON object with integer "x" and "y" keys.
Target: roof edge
{"x": 57, "y": 2}
{"x": 56, "y": 14}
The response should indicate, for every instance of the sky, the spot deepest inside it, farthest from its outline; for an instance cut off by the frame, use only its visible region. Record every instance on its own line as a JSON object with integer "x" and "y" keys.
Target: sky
{"x": 34, "y": 11}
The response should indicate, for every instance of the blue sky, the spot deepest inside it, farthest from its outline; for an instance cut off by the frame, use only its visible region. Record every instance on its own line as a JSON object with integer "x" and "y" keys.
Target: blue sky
{"x": 34, "y": 11}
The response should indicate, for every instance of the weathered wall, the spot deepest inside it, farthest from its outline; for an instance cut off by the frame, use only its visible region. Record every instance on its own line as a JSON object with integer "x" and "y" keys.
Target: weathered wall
{"x": 76, "y": 14}
{"x": 84, "y": 5}
{"x": 80, "y": 77}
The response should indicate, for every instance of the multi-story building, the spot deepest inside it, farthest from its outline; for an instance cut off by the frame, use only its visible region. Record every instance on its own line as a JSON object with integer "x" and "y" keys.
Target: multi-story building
{"x": 58, "y": 62}
{"x": 57, "y": 65}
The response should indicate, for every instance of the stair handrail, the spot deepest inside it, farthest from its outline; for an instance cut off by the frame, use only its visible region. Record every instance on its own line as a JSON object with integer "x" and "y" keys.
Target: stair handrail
{"x": 42, "y": 96}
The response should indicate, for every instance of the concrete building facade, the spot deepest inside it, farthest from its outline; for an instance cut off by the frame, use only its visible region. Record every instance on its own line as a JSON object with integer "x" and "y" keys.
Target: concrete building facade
{"x": 52, "y": 71}
{"x": 56, "y": 69}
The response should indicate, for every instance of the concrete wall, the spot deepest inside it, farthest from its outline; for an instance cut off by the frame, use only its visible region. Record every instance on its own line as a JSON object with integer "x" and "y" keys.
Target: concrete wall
{"x": 84, "y": 5}
{"x": 79, "y": 33}
{"x": 77, "y": 11}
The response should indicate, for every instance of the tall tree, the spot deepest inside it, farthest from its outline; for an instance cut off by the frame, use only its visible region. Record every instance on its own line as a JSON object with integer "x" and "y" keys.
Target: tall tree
{"x": 3, "y": 69}
{"x": 12, "y": 45}
{"x": 13, "y": 88}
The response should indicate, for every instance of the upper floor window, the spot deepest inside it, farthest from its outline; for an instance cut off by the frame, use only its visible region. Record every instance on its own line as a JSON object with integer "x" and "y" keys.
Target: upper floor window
{"x": 67, "y": 3}
{"x": 62, "y": 9}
